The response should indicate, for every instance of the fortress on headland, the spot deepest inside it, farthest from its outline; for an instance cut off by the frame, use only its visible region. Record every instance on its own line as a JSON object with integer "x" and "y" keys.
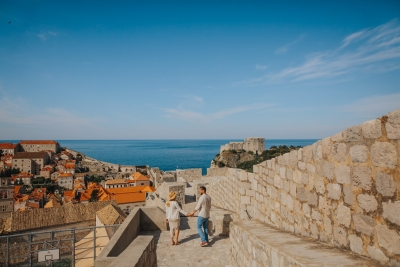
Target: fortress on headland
{"x": 254, "y": 144}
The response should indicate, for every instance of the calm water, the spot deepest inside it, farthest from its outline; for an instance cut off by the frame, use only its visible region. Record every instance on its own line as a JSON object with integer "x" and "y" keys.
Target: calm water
{"x": 165, "y": 154}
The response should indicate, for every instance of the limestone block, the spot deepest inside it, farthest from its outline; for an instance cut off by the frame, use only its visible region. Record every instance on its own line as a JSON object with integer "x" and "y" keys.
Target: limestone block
{"x": 337, "y": 137}
{"x": 356, "y": 244}
{"x": 300, "y": 154}
{"x": 359, "y": 153}
{"x": 327, "y": 225}
{"x": 250, "y": 193}
{"x": 314, "y": 230}
{"x": 245, "y": 200}
{"x": 343, "y": 174}
{"x": 383, "y": 154}
{"x": 307, "y": 154}
{"x": 385, "y": 184}
{"x": 282, "y": 172}
{"x": 304, "y": 178}
{"x": 393, "y": 125}
{"x": 277, "y": 168}
{"x": 340, "y": 235}
{"x": 313, "y": 199}
{"x": 328, "y": 170}
{"x": 289, "y": 174}
{"x": 293, "y": 189}
{"x": 302, "y": 166}
{"x": 311, "y": 182}
{"x": 343, "y": 215}
{"x": 286, "y": 159}
{"x": 367, "y": 202}
{"x": 293, "y": 158}
{"x": 320, "y": 185}
{"x": 243, "y": 176}
{"x": 348, "y": 195}
{"x": 352, "y": 134}
{"x": 372, "y": 129}
{"x": 334, "y": 191}
{"x": 245, "y": 185}
{"x": 361, "y": 177}
{"x": 389, "y": 239}
{"x": 391, "y": 212}
{"x": 324, "y": 205}
{"x": 377, "y": 254}
{"x": 315, "y": 215}
{"x": 301, "y": 193}
{"x": 317, "y": 150}
{"x": 277, "y": 181}
{"x": 339, "y": 151}
{"x": 297, "y": 177}
{"x": 286, "y": 187}
{"x": 326, "y": 147}
{"x": 306, "y": 210}
{"x": 311, "y": 168}
{"x": 269, "y": 164}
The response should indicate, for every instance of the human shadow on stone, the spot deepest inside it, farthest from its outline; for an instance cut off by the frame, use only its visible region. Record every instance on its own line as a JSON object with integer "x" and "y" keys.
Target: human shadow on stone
{"x": 216, "y": 239}
{"x": 189, "y": 238}
{"x": 184, "y": 223}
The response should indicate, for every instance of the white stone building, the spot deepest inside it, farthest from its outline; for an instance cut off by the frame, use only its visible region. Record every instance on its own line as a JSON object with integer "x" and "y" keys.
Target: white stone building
{"x": 254, "y": 144}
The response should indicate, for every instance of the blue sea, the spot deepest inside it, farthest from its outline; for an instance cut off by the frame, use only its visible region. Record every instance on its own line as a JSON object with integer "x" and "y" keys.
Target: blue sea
{"x": 165, "y": 154}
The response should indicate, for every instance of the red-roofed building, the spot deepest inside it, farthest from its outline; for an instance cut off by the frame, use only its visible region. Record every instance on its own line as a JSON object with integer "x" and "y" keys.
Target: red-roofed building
{"x": 66, "y": 180}
{"x": 9, "y": 148}
{"x": 31, "y": 162}
{"x": 40, "y": 145}
{"x": 130, "y": 197}
{"x": 139, "y": 179}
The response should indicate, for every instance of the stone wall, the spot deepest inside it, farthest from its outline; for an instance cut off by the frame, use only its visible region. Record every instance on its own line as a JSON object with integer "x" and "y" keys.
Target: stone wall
{"x": 343, "y": 190}
{"x": 189, "y": 174}
{"x": 40, "y": 218}
{"x": 216, "y": 171}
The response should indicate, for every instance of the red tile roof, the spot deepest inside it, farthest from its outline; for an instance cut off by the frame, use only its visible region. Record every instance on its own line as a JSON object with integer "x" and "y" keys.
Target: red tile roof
{"x": 30, "y": 155}
{"x": 137, "y": 176}
{"x": 7, "y": 145}
{"x": 38, "y": 142}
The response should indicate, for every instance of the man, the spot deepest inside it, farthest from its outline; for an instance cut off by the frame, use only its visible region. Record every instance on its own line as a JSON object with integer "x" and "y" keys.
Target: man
{"x": 203, "y": 206}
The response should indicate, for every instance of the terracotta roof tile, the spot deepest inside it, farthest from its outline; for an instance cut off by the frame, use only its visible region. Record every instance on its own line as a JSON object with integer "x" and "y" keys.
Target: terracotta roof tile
{"x": 137, "y": 176}
{"x": 38, "y": 142}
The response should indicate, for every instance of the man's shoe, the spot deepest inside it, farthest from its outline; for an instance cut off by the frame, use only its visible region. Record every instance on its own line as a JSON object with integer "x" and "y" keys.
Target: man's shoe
{"x": 204, "y": 244}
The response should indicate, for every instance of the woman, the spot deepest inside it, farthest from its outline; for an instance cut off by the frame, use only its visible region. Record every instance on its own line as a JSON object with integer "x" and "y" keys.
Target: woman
{"x": 173, "y": 217}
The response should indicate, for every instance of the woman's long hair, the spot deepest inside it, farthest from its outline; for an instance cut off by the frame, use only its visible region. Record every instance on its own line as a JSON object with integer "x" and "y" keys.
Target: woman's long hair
{"x": 172, "y": 197}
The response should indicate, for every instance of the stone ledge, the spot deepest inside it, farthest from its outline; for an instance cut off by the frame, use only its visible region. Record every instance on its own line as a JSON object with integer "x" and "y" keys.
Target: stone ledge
{"x": 256, "y": 244}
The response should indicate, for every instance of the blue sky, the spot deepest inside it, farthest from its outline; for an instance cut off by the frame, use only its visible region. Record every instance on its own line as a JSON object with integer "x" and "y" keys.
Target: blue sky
{"x": 195, "y": 69}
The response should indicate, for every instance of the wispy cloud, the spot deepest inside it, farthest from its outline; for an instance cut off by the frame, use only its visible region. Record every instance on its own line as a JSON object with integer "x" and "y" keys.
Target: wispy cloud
{"x": 368, "y": 50}
{"x": 285, "y": 48}
{"x": 261, "y": 67}
{"x": 373, "y": 106}
{"x": 185, "y": 114}
{"x": 44, "y": 35}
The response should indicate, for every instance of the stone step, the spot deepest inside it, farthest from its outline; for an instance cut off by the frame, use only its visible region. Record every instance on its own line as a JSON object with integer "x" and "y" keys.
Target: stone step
{"x": 256, "y": 244}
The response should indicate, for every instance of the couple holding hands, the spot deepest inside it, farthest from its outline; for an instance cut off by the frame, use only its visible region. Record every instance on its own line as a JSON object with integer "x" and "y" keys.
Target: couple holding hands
{"x": 173, "y": 211}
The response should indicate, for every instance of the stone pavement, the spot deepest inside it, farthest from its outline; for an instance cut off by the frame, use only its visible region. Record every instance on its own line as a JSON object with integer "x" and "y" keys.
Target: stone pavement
{"x": 189, "y": 252}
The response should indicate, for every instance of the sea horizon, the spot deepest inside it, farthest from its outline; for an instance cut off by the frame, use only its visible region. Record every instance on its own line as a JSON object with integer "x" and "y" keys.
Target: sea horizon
{"x": 167, "y": 154}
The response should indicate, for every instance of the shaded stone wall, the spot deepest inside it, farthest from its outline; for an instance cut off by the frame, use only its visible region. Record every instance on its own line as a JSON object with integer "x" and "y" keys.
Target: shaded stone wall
{"x": 343, "y": 190}
{"x": 40, "y": 218}
{"x": 216, "y": 171}
{"x": 189, "y": 174}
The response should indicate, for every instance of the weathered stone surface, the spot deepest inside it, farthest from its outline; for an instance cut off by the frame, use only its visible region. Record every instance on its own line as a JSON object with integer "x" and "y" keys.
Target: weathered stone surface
{"x": 337, "y": 137}
{"x": 385, "y": 184}
{"x": 356, "y": 244}
{"x": 340, "y": 235}
{"x": 327, "y": 225}
{"x": 343, "y": 174}
{"x": 320, "y": 185}
{"x": 313, "y": 199}
{"x": 301, "y": 193}
{"x": 326, "y": 147}
{"x": 367, "y": 202}
{"x": 304, "y": 178}
{"x": 339, "y": 151}
{"x": 377, "y": 254}
{"x": 293, "y": 189}
{"x": 391, "y": 212}
{"x": 317, "y": 150}
{"x": 324, "y": 205}
{"x": 372, "y": 129}
{"x": 328, "y": 170}
{"x": 334, "y": 191}
{"x": 363, "y": 224}
{"x": 389, "y": 239}
{"x": 348, "y": 195}
{"x": 301, "y": 165}
{"x": 315, "y": 215}
{"x": 361, "y": 177}
{"x": 359, "y": 153}
{"x": 383, "y": 154}
{"x": 343, "y": 215}
{"x": 393, "y": 125}
{"x": 307, "y": 154}
{"x": 306, "y": 210}
{"x": 352, "y": 134}
{"x": 293, "y": 158}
